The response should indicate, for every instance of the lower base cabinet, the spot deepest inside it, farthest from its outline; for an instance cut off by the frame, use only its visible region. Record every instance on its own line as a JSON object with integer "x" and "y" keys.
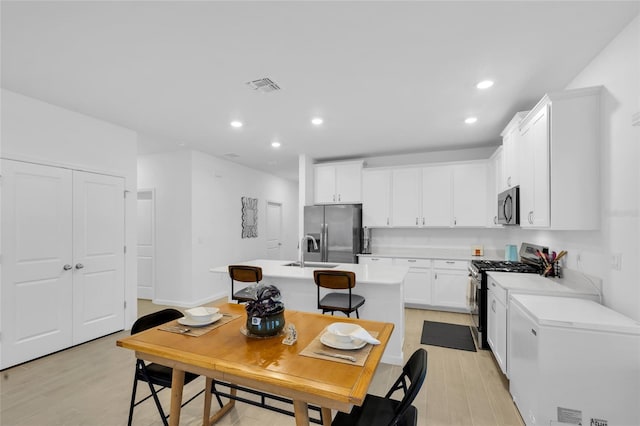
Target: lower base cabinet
{"x": 450, "y": 284}
{"x": 497, "y": 323}
{"x": 435, "y": 284}
{"x": 417, "y": 284}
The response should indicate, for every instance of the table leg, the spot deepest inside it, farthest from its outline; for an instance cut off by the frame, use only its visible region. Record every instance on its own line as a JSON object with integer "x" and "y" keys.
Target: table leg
{"x": 177, "y": 383}
{"x": 326, "y": 416}
{"x": 208, "y": 421}
{"x": 301, "y": 410}
{"x": 207, "y": 401}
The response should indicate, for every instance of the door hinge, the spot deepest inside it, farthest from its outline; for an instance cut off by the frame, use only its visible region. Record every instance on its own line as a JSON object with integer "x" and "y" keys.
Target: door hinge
{"x": 125, "y": 304}
{"x": 125, "y": 249}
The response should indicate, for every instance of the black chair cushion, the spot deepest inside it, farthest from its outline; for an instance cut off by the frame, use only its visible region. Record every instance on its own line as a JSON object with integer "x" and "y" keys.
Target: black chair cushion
{"x": 375, "y": 411}
{"x": 161, "y": 375}
{"x": 243, "y": 295}
{"x": 340, "y": 301}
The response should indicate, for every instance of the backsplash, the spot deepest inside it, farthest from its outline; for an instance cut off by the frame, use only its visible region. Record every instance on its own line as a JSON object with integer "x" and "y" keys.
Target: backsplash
{"x": 462, "y": 238}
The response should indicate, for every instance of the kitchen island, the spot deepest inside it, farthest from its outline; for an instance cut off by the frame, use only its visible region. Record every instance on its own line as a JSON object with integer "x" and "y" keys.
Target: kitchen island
{"x": 381, "y": 285}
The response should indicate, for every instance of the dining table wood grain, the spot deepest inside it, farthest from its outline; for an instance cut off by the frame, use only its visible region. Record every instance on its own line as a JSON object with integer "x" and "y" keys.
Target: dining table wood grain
{"x": 267, "y": 365}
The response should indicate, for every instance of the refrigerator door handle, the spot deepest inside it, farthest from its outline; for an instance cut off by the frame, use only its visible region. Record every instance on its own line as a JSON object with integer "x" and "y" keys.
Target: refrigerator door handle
{"x": 322, "y": 242}
{"x": 325, "y": 254}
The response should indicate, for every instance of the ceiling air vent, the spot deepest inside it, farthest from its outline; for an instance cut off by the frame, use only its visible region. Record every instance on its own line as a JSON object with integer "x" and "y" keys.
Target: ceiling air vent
{"x": 264, "y": 85}
{"x": 231, "y": 155}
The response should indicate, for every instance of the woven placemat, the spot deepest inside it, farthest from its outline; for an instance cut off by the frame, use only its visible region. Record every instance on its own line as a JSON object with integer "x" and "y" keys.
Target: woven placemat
{"x": 176, "y": 327}
{"x": 316, "y": 345}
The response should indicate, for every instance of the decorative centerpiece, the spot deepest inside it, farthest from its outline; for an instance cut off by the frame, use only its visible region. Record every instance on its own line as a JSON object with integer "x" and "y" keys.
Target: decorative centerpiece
{"x": 265, "y": 314}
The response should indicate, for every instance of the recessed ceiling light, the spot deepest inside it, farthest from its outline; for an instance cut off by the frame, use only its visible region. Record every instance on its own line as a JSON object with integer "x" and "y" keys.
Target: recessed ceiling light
{"x": 275, "y": 144}
{"x": 485, "y": 84}
{"x": 317, "y": 121}
{"x": 470, "y": 120}
{"x": 237, "y": 124}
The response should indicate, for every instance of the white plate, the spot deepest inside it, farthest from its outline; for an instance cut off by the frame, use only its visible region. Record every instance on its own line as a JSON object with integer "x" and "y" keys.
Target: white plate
{"x": 329, "y": 339}
{"x": 192, "y": 323}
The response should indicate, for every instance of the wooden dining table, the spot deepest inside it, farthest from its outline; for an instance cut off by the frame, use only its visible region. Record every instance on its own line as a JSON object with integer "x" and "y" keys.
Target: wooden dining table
{"x": 267, "y": 365}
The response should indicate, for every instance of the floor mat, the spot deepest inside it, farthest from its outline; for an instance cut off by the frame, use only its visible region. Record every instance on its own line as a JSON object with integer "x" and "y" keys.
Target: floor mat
{"x": 447, "y": 335}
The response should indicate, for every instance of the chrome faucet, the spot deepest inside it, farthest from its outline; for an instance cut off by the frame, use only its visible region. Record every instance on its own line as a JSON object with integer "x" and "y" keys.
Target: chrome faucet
{"x": 302, "y": 248}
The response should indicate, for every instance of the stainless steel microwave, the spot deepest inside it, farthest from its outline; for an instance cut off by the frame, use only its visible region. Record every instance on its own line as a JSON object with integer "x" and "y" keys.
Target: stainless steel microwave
{"x": 509, "y": 206}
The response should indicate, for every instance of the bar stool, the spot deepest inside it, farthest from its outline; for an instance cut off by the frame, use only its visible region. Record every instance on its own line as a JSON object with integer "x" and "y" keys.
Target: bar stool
{"x": 245, "y": 274}
{"x": 337, "y": 280}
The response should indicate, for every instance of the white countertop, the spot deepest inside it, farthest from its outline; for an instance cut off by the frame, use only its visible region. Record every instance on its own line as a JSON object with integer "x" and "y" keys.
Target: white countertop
{"x": 533, "y": 283}
{"x": 434, "y": 253}
{"x": 365, "y": 274}
{"x": 578, "y": 313}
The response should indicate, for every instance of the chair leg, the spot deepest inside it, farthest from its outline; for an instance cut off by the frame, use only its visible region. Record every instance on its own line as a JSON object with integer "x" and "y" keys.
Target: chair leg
{"x": 157, "y": 401}
{"x": 133, "y": 398}
{"x": 357, "y": 314}
{"x": 153, "y": 393}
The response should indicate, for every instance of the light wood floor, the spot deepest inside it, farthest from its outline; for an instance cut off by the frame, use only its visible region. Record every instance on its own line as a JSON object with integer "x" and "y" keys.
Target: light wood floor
{"x": 91, "y": 385}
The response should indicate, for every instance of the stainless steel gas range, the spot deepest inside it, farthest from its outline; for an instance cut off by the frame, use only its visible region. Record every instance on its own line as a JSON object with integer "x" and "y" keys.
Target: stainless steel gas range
{"x": 478, "y": 269}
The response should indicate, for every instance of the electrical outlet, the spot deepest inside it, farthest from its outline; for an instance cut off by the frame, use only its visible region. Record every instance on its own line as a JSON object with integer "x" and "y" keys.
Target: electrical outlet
{"x": 616, "y": 261}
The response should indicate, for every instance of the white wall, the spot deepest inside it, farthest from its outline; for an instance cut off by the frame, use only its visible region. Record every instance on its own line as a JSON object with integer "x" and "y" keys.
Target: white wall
{"x": 198, "y": 211}
{"x": 170, "y": 175}
{"x": 39, "y": 132}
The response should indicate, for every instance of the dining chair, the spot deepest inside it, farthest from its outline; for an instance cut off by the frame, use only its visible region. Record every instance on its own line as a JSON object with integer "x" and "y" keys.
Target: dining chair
{"x": 379, "y": 411}
{"x": 152, "y": 373}
{"x": 245, "y": 274}
{"x": 334, "y": 301}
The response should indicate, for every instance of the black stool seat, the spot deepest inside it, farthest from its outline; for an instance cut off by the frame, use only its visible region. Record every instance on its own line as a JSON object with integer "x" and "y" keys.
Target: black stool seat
{"x": 245, "y": 274}
{"x": 340, "y": 302}
{"x": 345, "y": 302}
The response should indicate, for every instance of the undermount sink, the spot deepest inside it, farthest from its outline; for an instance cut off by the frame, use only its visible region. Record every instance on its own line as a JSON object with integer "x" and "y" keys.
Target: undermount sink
{"x": 313, "y": 265}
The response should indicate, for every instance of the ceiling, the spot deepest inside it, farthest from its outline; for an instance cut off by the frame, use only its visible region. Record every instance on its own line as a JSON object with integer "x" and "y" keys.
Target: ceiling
{"x": 387, "y": 77}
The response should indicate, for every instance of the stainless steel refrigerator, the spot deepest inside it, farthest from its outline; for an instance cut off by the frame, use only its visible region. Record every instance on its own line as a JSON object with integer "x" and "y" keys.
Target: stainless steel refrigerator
{"x": 337, "y": 230}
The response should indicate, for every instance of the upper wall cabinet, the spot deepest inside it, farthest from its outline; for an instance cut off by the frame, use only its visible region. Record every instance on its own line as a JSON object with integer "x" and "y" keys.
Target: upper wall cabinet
{"x": 431, "y": 196}
{"x": 376, "y": 196}
{"x": 470, "y": 194}
{"x": 494, "y": 186}
{"x": 512, "y": 152}
{"x": 437, "y": 195}
{"x": 406, "y": 196}
{"x": 338, "y": 183}
{"x": 560, "y": 188}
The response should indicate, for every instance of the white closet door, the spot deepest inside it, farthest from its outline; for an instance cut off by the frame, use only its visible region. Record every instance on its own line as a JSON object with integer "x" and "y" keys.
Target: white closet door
{"x": 36, "y": 295}
{"x": 98, "y": 253}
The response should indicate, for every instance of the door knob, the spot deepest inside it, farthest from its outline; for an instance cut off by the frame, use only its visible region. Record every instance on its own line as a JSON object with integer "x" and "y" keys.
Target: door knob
{"x": 79, "y": 266}
{"x": 67, "y": 267}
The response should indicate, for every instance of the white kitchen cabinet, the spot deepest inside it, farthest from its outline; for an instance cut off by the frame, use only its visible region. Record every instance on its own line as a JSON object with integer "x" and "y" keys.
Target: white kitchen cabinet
{"x": 450, "y": 284}
{"x": 469, "y": 194}
{"x": 376, "y": 198}
{"x": 512, "y": 152}
{"x": 406, "y": 197}
{"x": 437, "y": 194}
{"x": 338, "y": 183}
{"x": 534, "y": 188}
{"x": 561, "y": 135}
{"x": 417, "y": 283}
{"x": 364, "y": 260}
{"x": 494, "y": 186}
{"x": 497, "y": 322}
{"x": 63, "y": 259}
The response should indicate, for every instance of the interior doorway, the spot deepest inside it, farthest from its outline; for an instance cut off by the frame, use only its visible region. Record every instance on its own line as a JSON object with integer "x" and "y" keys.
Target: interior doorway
{"x": 146, "y": 243}
{"x": 274, "y": 230}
